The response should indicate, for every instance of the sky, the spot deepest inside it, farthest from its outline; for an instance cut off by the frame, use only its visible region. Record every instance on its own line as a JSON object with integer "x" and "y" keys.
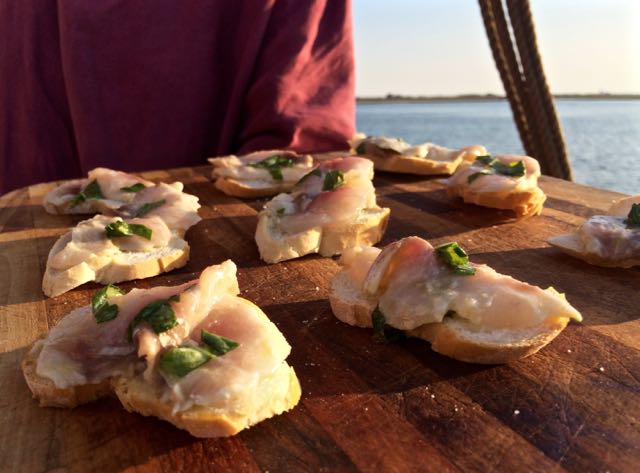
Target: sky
{"x": 439, "y": 47}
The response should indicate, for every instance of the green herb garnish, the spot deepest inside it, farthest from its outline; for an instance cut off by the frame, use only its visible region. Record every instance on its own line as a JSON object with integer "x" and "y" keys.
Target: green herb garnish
{"x": 92, "y": 191}
{"x": 158, "y": 314}
{"x": 361, "y": 149}
{"x": 144, "y": 209}
{"x": 315, "y": 172}
{"x": 217, "y": 344}
{"x": 274, "y": 165}
{"x": 515, "y": 169}
{"x": 134, "y": 188}
{"x": 102, "y": 310}
{"x": 180, "y": 361}
{"x": 456, "y": 258}
{"x": 382, "y": 330}
{"x": 120, "y": 228}
{"x": 512, "y": 169}
{"x": 333, "y": 180}
{"x": 280, "y": 211}
{"x": 633, "y": 219}
{"x": 486, "y": 159}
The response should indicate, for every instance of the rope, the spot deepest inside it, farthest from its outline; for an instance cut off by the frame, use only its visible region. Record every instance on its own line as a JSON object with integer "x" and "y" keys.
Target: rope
{"x": 522, "y": 75}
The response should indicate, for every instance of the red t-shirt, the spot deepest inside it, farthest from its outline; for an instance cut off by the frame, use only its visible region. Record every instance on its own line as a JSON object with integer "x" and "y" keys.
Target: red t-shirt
{"x": 138, "y": 84}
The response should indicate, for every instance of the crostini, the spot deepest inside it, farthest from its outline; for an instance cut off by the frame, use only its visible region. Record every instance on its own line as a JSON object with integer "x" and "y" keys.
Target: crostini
{"x": 611, "y": 240}
{"x": 467, "y": 311}
{"x": 143, "y": 238}
{"x": 396, "y": 155}
{"x": 103, "y": 191}
{"x": 259, "y": 174}
{"x": 330, "y": 209}
{"x": 195, "y": 355}
{"x": 507, "y": 182}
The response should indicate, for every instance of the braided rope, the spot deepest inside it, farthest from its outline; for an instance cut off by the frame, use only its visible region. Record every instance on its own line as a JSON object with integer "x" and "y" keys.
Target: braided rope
{"x": 524, "y": 31}
{"x": 523, "y": 77}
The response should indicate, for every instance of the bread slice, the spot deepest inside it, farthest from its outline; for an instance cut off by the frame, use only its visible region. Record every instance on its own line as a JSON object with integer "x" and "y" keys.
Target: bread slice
{"x": 526, "y": 203}
{"x": 62, "y": 199}
{"x": 461, "y": 340}
{"x": 110, "y": 267}
{"x": 251, "y": 189}
{"x": 455, "y": 337}
{"x": 276, "y": 245}
{"x": 235, "y": 176}
{"x": 481, "y": 183}
{"x": 425, "y": 159}
{"x": 229, "y": 392}
{"x": 277, "y": 393}
{"x": 570, "y": 243}
{"x": 49, "y": 395}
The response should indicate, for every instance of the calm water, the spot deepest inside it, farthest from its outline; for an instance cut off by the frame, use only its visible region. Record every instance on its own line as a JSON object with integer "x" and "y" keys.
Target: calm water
{"x": 603, "y": 137}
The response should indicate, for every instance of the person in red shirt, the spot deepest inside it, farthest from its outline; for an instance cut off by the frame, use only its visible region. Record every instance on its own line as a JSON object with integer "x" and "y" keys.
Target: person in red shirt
{"x": 137, "y": 85}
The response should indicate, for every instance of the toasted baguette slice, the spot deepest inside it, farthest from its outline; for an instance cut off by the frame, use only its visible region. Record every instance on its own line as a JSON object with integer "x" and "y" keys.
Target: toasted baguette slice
{"x": 276, "y": 245}
{"x": 64, "y": 198}
{"x": 275, "y": 394}
{"x": 571, "y": 244}
{"x": 109, "y": 264}
{"x": 478, "y": 184}
{"x": 425, "y": 159}
{"x": 331, "y": 209}
{"x": 238, "y": 176}
{"x": 455, "y": 337}
{"x": 526, "y": 203}
{"x": 605, "y": 240}
{"x": 251, "y": 189}
{"x": 49, "y": 395}
{"x": 84, "y": 358}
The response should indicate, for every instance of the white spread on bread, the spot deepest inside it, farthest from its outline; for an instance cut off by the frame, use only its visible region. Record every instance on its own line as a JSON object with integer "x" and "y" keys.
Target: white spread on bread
{"x": 414, "y": 287}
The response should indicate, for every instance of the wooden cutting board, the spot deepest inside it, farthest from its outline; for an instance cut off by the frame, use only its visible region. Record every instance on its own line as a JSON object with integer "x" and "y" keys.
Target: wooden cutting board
{"x": 366, "y": 406}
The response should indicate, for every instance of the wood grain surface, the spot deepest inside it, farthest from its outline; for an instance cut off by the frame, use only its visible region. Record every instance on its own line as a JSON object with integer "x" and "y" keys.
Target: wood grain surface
{"x": 366, "y": 406}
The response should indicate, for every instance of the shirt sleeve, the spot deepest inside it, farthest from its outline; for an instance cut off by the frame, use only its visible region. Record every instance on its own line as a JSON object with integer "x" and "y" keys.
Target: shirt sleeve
{"x": 301, "y": 93}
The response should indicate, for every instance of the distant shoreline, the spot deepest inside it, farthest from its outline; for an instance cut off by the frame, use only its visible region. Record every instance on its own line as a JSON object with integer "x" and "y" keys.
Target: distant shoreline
{"x": 392, "y": 98}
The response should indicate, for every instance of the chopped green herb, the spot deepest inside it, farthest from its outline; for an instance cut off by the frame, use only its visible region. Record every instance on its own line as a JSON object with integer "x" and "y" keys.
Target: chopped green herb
{"x": 315, "y": 172}
{"x": 180, "y": 361}
{"x": 333, "y": 180}
{"x": 134, "y": 188}
{"x": 102, "y": 310}
{"x": 158, "y": 314}
{"x": 512, "y": 169}
{"x": 382, "y": 330}
{"x": 274, "y": 165}
{"x": 633, "y": 219}
{"x": 92, "y": 191}
{"x": 120, "y": 228}
{"x": 144, "y": 209}
{"x": 486, "y": 159}
{"x": 456, "y": 258}
{"x": 280, "y": 211}
{"x": 515, "y": 169}
{"x": 218, "y": 345}
{"x": 361, "y": 149}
